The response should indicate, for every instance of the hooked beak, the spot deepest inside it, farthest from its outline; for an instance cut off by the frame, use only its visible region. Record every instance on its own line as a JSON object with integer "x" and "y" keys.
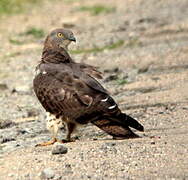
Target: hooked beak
{"x": 72, "y": 39}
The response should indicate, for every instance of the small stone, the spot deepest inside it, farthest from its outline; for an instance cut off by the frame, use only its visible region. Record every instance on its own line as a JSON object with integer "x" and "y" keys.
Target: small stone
{"x": 47, "y": 173}
{"x": 59, "y": 149}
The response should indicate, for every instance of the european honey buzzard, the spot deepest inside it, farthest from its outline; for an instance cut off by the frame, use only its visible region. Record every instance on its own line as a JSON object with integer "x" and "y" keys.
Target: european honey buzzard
{"x": 71, "y": 95}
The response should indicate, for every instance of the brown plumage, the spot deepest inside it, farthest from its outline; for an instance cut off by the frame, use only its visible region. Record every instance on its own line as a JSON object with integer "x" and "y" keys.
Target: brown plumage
{"x": 71, "y": 95}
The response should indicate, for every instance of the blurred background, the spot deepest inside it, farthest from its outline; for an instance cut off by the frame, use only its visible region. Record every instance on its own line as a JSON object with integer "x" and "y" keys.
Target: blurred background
{"x": 141, "y": 47}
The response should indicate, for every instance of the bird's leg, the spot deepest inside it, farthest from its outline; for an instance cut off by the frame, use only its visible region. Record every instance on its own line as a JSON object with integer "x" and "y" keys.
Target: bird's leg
{"x": 70, "y": 128}
{"x": 52, "y": 126}
{"x": 54, "y": 131}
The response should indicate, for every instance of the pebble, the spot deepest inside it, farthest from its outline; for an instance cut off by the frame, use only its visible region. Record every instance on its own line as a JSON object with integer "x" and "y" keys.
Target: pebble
{"x": 59, "y": 149}
{"x": 47, "y": 173}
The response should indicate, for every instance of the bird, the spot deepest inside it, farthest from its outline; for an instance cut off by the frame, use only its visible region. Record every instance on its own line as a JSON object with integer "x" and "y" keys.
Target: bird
{"x": 72, "y": 96}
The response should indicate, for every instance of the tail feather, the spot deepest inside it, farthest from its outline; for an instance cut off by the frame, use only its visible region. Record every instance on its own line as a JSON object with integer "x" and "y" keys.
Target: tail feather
{"x": 129, "y": 121}
{"x": 114, "y": 128}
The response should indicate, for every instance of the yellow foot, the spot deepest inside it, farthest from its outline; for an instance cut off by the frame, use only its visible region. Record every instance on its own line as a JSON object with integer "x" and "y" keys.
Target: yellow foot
{"x": 47, "y": 143}
{"x": 51, "y": 142}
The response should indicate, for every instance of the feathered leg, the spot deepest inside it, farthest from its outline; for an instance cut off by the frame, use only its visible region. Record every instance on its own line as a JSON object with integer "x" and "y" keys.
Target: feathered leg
{"x": 54, "y": 132}
{"x": 70, "y": 128}
{"x": 53, "y": 125}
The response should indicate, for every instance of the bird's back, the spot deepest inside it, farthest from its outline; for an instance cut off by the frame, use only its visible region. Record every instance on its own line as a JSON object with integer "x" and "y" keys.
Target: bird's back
{"x": 58, "y": 93}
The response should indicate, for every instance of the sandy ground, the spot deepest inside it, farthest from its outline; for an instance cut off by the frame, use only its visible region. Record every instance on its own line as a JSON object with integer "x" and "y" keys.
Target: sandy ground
{"x": 153, "y": 63}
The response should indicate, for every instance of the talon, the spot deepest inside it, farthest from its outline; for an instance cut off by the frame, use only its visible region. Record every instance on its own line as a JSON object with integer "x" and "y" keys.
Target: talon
{"x": 47, "y": 143}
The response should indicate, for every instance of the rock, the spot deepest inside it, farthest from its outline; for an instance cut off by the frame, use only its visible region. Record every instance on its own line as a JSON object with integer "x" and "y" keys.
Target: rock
{"x": 47, "y": 173}
{"x": 59, "y": 149}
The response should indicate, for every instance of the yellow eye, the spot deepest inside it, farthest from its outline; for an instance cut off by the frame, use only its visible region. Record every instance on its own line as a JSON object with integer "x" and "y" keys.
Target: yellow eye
{"x": 60, "y": 35}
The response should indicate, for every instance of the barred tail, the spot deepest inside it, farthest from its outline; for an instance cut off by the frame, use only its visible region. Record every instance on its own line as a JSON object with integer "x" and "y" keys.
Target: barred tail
{"x": 116, "y": 128}
{"x": 129, "y": 121}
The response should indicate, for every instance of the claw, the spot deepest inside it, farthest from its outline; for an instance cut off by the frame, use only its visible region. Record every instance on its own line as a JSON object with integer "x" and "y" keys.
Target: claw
{"x": 51, "y": 142}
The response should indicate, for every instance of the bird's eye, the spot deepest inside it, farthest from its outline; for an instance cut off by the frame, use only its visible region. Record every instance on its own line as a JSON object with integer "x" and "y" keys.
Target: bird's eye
{"x": 60, "y": 35}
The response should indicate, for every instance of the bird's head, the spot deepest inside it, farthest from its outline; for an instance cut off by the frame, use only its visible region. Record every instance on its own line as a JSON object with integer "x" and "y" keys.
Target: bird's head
{"x": 60, "y": 38}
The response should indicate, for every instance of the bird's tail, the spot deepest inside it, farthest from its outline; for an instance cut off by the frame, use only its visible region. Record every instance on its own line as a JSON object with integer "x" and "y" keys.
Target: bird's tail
{"x": 129, "y": 121}
{"x": 118, "y": 126}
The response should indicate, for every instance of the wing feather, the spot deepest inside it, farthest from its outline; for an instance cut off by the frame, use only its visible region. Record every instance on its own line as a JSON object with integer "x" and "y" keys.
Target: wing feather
{"x": 69, "y": 90}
